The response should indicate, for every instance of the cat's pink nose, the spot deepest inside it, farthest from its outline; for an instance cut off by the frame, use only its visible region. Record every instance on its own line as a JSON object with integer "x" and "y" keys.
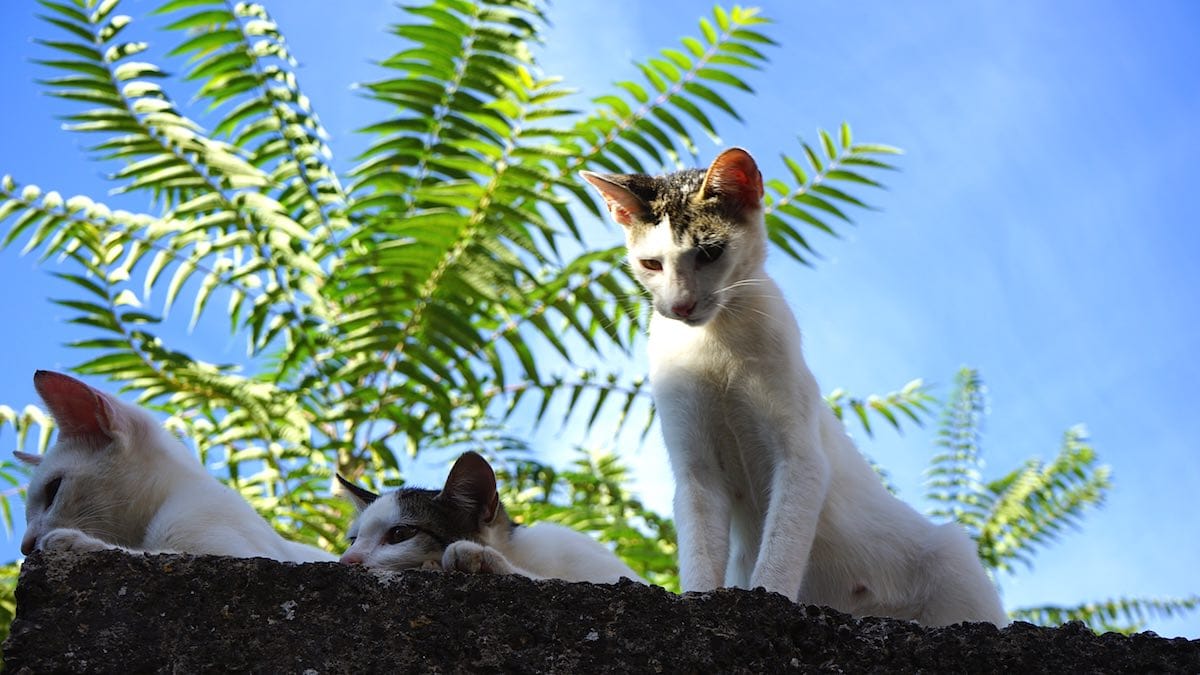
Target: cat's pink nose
{"x": 351, "y": 558}
{"x": 683, "y": 309}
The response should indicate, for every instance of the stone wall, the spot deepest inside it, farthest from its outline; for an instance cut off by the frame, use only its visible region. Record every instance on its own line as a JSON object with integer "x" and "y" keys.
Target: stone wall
{"x": 111, "y": 612}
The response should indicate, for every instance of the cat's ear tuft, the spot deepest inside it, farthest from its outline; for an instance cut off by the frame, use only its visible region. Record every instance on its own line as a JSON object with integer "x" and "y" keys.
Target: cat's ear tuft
{"x": 625, "y": 207}
{"x": 78, "y": 409}
{"x": 733, "y": 176}
{"x": 26, "y": 458}
{"x": 361, "y": 496}
{"x": 472, "y": 485}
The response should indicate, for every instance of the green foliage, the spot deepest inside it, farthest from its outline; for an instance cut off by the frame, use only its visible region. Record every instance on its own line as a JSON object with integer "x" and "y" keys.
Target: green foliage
{"x": 8, "y": 600}
{"x": 912, "y": 401}
{"x": 1015, "y": 515}
{"x": 1121, "y": 615}
{"x": 418, "y": 301}
{"x": 423, "y": 300}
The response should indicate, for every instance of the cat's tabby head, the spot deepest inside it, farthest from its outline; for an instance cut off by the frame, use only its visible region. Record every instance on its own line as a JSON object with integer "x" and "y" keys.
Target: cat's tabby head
{"x": 100, "y": 476}
{"x": 411, "y": 527}
{"x": 695, "y": 238}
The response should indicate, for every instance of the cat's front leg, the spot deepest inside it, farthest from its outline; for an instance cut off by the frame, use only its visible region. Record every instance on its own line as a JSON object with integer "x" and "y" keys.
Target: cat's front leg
{"x": 798, "y": 490}
{"x": 702, "y": 524}
{"x": 66, "y": 539}
{"x": 695, "y": 437}
{"x": 472, "y": 558}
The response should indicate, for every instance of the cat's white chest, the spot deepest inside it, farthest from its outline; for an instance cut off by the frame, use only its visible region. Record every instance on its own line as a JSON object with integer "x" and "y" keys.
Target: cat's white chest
{"x": 674, "y": 344}
{"x": 756, "y": 348}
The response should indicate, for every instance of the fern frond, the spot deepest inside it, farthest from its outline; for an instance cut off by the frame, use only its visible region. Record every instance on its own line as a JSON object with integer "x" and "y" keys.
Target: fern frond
{"x": 1033, "y": 505}
{"x": 242, "y": 61}
{"x": 954, "y": 479}
{"x": 1121, "y": 615}
{"x": 814, "y": 201}
{"x": 29, "y": 420}
{"x": 911, "y": 401}
{"x": 653, "y": 120}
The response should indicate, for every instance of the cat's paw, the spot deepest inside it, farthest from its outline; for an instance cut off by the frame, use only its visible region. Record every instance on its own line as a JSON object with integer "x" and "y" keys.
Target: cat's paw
{"x": 472, "y": 558}
{"x": 66, "y": 539}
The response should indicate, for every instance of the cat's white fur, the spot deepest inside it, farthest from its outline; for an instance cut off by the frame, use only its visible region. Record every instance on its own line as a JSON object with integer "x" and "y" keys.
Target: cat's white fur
{"x": 124, "y": 482}
{"x": 538, "y": 551}
{"x": 770, "y": 490}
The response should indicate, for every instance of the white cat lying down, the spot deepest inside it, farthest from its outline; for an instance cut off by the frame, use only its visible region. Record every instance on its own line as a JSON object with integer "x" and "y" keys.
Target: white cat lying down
{"x": 116, "y": 479}
{"x": 464, "y": 527}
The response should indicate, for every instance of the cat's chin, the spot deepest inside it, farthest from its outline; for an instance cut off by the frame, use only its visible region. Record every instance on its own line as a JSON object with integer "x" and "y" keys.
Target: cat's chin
{"x": 695, "y": 320}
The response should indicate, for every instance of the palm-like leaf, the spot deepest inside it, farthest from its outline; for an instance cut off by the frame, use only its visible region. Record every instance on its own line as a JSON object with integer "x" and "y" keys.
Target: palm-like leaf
{"x": 1032, "y": 505}
{"x": 416, "y": 303}
{"x": 911, "y": 401}
{"x": 1121, "y": 615}
{"x": 1012, "y": 517}
{"x": 954, "y": 478}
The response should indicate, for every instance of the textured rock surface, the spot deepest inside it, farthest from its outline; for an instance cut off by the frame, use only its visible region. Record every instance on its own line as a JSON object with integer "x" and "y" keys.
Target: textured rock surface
{"x": 111, "y": 612}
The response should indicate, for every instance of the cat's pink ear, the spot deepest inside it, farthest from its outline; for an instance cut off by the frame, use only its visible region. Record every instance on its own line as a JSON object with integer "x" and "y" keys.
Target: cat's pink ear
{"x": 626, "y": 208}
{"x": 78, "y": 410}
{"x": 472, "y": 485}
{"x": 26, "y": 458}
{"x": 361, "y": 496}
{"x": 734, "y": 176}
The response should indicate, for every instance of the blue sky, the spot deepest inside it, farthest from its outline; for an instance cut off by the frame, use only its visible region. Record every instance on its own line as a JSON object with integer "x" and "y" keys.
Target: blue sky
{"x": 1041, "y": 228}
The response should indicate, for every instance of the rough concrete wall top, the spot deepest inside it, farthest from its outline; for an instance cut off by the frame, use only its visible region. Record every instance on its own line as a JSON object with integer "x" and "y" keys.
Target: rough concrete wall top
{"x": 112, "y": 612}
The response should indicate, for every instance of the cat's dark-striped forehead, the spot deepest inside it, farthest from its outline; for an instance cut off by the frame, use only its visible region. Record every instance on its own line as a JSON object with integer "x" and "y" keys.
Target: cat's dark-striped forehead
{"x": 418, "y": 506}
{"x": 675, "y": 197}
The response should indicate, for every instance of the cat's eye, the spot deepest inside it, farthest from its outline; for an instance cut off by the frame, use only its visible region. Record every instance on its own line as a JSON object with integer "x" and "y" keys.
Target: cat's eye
{"x": 400, "y": 533}
{"x": 651, "y": 264}
{"x": 709, "y": 254}
{"x": 52, "y": 490}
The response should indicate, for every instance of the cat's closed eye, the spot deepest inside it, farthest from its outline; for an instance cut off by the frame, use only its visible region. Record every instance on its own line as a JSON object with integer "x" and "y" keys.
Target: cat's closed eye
{"x": 651, "y": 264}
{"x": 400, "y": 533}
{"x": 709, "y": 254}
{"x": 52, "y": 490}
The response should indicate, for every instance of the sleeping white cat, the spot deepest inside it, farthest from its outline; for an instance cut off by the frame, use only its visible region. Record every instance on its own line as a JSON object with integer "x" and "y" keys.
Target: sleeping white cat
{"x": 770, "y": 491}
{"x": 463, "y": 527}
{"x": 116, "y": 479}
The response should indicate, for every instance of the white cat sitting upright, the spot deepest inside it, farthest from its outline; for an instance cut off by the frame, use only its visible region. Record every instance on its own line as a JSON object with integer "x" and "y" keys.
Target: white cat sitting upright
{"x": 464, "y": 527}
{"x": 115, "y": 479}
{"x": 770, "y": 491}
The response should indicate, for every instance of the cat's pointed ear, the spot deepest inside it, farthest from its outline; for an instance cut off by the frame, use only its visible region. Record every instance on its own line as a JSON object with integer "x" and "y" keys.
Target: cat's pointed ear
{"x": 734, "y": 177}
{"x": 361, "y": 496}
{"x": 26, "y": 458}
{"x": 78, "y": 409}
{"x": 625, "y": 207}
{"x": 472, "y": 485}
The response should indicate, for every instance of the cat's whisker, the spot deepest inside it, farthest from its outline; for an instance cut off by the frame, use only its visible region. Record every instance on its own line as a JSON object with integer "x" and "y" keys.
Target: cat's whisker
{"x": 739, "y": 284}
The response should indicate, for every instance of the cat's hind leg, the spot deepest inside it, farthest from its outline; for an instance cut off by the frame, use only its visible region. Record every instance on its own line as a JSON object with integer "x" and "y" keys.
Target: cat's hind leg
{"x": 955, "y": 584}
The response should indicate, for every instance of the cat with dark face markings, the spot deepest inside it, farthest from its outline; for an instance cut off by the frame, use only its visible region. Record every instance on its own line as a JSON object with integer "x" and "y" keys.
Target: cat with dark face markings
{"x": 115, "y": 479}
{"x": 464, "y": 527}
{"x": 769, "y": 489}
